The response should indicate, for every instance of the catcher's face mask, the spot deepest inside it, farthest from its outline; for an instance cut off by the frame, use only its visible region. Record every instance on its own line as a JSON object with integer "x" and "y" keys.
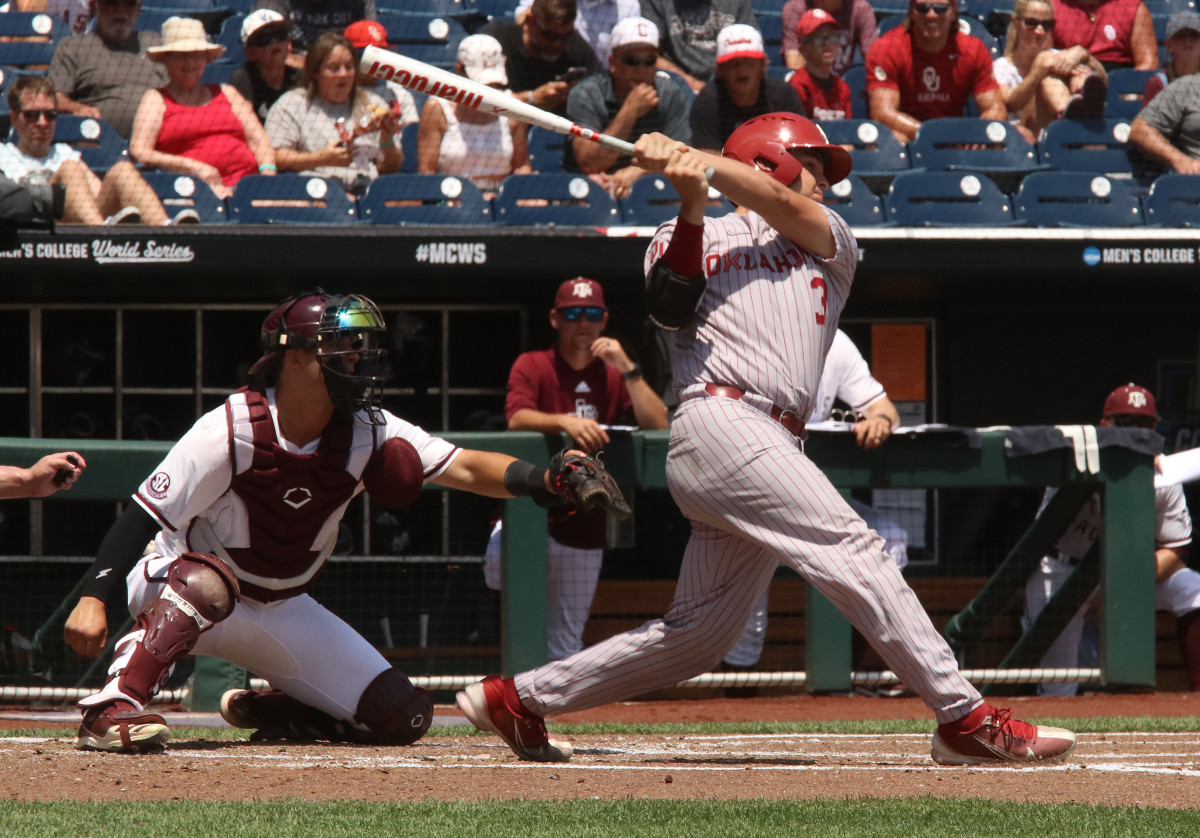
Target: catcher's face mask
{"x": 352, "y": 362}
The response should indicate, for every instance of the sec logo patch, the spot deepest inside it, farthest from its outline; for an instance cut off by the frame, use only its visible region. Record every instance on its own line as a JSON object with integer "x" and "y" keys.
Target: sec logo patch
{"x": 157, "y": 485}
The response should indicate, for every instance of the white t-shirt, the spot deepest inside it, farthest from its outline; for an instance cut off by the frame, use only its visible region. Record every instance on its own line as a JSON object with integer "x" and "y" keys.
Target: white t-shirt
{"x": 22, "y": 168}
{"x": 296, "y": 123}
{"x": 846, "y": 377}
{"x": 481, "y": 152}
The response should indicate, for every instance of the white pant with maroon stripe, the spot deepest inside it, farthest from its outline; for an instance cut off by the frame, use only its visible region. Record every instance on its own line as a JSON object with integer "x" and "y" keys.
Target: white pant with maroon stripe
{"x": 754, "y": 500}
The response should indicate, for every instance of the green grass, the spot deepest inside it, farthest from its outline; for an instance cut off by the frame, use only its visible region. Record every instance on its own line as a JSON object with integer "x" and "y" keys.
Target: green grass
{"x": 585, "y": 818}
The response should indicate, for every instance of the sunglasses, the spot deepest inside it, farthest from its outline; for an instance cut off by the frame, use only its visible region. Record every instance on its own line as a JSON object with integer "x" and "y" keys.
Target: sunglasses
{"x": 1135, "y": 421}
{"x": 632, "y": 61}
{"x": 1034, "y": 23}
{"x": 36, "y": 114}
{"x": 594, "y": 314}
{"x": 262, "y": 39}
{"x": 823, "y": 40}
{"x": 938, "y": 9}
{"x": 551, "y": 35}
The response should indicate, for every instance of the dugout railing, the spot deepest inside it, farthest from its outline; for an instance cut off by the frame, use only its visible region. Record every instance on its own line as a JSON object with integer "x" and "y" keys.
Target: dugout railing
{"x": 943, "y": 458}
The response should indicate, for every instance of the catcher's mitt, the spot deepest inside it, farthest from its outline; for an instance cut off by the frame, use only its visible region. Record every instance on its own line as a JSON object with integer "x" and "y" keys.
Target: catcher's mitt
{"x": 585, "y": 483}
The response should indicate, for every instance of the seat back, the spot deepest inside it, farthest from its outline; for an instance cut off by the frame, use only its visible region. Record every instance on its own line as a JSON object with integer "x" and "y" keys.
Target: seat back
{"x": 1093, "y": 145}
{"x": 408, "y": 145}
{"x": 179, "y": 192}
{"x": 874, "y": 149}
{"x": 854, "y": 201}
{"x": 556, "y": 200}
{"x": 1174, "y": 201}
{"x": 230, "y": 37}
{"x": 980, "y": 145}
{"x": 1125, "y": 89}
{"x": 427, "y": 38}
{"x": 424, "y": 200}
{"x": 546, "y": 149}
{"x": 652, "y": 200}
{"x": 1076, "y": 199}
{"x": 946, "y": 199}
{"x": 291, "y": 199}
{"x": 33, "y": 25}
{"x": 97, "y": 142}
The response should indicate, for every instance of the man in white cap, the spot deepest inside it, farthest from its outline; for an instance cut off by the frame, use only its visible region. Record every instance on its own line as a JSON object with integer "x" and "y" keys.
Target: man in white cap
{"x": 626, "y": 102}
{"x": 741, "y": 89}
{"x": 266, "y": 40}
{"x": 690, "y": 29}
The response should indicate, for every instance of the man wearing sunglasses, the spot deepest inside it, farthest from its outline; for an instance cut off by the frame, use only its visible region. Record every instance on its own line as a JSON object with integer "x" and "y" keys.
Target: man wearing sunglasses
{"x": 742, "y": 89}
{"x": 927, "y": 68}
{"x": 1177, "y": 587}
{"x": 580, "y": 386}
{"x": 103, "y": 74}
{"x": 541, "y": 51}
{"x": 626, "y": 102}
{"x": 265, "y": 76}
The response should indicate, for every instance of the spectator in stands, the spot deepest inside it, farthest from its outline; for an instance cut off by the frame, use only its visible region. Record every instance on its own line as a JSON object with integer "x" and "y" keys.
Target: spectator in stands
{"x": 369, "y": 33}
{"x": 690, "y": 29}
{"x": 926, "y": 68}
{"x": 579, "y": 387}
{"x": 74, "y": 13}
{"x": 207, "y": 131}
{"x": 626, "y": 102}
{"x": 544, "y": 55}
{"x": 822, "y": 91}
{"x": 594, "y": 20}
{"x": 1183, "y": 42}
{"x": 42, "y": 479}
{"x": 310, "y": 18}
{"x": 330, "y": 127}
{"x": 1119, "y": 33}
{"x": 103, "y": 74}
{"x": 1039, "y": 83}
{"x": 1166, "y": 133}
{"x": 123, "y": 196}
{"x": 855, "y": 21}
{"x": 458, "y": 140}
{"x": 741, "y": 89}
{"x": 266, "y": 75}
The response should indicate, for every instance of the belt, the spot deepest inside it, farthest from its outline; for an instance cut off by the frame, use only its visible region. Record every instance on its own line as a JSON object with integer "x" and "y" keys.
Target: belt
{"x": 791, "y": 421}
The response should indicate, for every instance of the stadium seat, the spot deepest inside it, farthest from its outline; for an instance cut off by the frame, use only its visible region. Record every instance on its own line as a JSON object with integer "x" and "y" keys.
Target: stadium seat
{"x": 291, "y": 199}
{"x": 777, "y": 71}
{"x": 856, "y": 79}
{"x": 771, "y": 27}
{"x": 1174, "y": 201}
{"x": 652, "y": 200}
{"x": 30, "y": 56}
{"x": 424, "y": 200}
{"x": 50, "y": 28}
{"x": 1094, "y": 145}
{"x": 97, "y": 142}
{"x": 874, "y": 150}
{"x": 854, "y": 201}
{"x": 431, "y": 39}
{"x": 946, "y": 199}
{"x": 230, "y": 37}
{"x": 179, "y": 192}
{"x": 992, "y": 147}
{"x": 438, "y": 8}
{"x": 556, "y": 200}
{"x": 218, "y": 73}
{"x": 994, "y": 14}
{"x": 408, "y": 145}
{"x": 546, "y": 149}
{"x": 1125, "y": 88}
{"x": 1076, "y": 199}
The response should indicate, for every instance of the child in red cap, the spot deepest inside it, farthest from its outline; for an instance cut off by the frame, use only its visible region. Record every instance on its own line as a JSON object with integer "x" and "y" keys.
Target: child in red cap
{"x": 824, "y": 94}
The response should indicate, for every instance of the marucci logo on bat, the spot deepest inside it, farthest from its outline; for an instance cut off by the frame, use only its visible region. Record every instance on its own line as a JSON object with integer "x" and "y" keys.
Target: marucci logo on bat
{"x": 452, "y": 253}
{"x": 422, "y": 84}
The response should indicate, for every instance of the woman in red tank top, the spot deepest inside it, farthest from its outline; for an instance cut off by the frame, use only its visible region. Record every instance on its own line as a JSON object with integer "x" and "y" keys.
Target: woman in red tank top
{"x": 208, "y": 131}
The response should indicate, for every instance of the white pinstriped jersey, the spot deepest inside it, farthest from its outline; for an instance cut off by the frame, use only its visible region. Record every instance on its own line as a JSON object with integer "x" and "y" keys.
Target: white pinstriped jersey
{"x": 769, "y": 314}
{"x": 846, "y": 377}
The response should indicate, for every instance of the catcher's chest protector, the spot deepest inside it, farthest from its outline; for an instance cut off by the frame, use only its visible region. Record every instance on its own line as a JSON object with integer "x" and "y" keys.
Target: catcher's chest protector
{"x": 288, "y": 497}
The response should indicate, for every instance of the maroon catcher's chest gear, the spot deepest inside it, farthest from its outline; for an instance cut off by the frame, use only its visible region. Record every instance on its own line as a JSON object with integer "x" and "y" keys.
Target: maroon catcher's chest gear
{"x": 289, "y": 498}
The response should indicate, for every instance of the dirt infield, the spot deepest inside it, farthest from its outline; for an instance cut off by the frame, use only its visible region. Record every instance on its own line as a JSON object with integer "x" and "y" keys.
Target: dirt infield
{"x": 1115, "y": 769}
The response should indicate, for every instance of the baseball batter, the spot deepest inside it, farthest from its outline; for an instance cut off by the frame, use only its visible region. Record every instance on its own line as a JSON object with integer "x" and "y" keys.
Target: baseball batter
{"x": 756, "y": 300}
{"x": 243, "y": 513}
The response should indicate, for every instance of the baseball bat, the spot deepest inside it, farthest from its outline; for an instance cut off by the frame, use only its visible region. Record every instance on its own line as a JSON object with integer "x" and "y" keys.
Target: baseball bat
{"x": 424, "y": 78}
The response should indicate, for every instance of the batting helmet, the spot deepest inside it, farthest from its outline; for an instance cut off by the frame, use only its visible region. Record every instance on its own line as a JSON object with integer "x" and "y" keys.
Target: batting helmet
{"x": 342, "y": 329}
{"x": 764, "y": 142}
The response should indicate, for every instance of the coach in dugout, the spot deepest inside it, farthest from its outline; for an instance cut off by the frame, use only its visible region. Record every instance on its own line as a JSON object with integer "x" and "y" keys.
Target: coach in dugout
{"x": 626, "y": 102}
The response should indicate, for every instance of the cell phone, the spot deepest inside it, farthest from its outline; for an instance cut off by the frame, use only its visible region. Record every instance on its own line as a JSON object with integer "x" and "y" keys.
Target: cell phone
{"x": 573, "y": 75}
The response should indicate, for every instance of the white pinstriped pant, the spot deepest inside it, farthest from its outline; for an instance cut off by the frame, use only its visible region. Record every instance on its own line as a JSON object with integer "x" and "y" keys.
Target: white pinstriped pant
{"x": 754, "y": 500}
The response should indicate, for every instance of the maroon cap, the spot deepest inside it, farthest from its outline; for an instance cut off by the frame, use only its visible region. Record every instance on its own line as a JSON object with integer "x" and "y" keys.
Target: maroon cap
{"x": 579, "y": 291}
{"x": 1130, "y": 400}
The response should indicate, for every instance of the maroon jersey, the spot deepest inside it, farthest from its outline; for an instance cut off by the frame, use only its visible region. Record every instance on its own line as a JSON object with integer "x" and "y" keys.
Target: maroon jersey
{"x": 1105, "y": 31}
{"x": 824, "y": 99}
{"x": 931, "y": 84}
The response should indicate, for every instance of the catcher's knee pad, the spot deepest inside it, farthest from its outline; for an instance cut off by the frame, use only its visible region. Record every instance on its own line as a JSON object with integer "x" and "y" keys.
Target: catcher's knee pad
{"x": 396, "y": 712}
{"x": 201, "y": 591}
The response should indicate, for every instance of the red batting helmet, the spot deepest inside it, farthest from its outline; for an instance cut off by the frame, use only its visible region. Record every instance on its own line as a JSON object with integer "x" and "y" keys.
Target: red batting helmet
{"x": 764, "y": 142}
{"x": 1130, "y": 400}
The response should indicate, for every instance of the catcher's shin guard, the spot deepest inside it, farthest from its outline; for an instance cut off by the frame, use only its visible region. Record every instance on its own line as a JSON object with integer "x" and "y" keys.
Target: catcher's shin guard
{"x": 201, "y": 591}
{"x": 394, "y": 711}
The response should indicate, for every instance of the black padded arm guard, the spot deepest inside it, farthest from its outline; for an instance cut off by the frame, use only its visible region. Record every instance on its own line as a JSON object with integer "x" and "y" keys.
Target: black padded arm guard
{"x": 673, "y": 298}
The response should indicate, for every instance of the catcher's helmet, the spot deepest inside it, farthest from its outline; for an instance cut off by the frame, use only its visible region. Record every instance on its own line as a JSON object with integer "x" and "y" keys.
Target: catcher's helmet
{"x": 763, "y": 142}
{"x": 342, "y": 329}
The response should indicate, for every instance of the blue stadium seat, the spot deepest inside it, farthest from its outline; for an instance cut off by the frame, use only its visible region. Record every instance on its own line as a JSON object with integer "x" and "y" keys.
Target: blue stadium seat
{"x": 179, "y": 192}
{"x": 546, "y": 149}
{"x": 992, "y": 147}
{"x": 557, "y": 200}
{"x": 946, "y": 199}
{"x": 771, "y": 27}
{"x": 407, "y": 29}
{"x": 424, "y": 200}
{"x": 780, "y": 72}
{"x": 291, "y": 199}
{"x": 437, "y": 8}
{"x": 218, "y": 73}
{"x": 1125, "y": 88}
{"x": 230, "y": 37}
{"x": 652, "y": 200}
{"x": 856, "y": 79}
{"x": 854, "y": 201}
{"x": 874, "y": 150}
{"x": 1174, "y": 201}
{"x": 31, "y": 56}
{"x": 1076, "y": 199}
{"x": 1093, "y": 145}
{"x": 408, "y": 145}
{"x": 984, "y": 9}
{"x": 889, "y": 22}
{"x": 33, "y": 25}
{"x": 97, "y": 142}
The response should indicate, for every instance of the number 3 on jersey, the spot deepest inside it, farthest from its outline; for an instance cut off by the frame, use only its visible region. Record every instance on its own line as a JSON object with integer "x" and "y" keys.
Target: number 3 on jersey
{"x": 818, "y": 284}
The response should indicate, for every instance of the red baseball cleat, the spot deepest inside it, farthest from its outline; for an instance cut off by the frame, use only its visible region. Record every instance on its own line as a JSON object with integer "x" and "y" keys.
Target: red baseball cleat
{"x": 987, "y": 734}
{"x": 492, "y": 705}
{"x": 119, "y": 728}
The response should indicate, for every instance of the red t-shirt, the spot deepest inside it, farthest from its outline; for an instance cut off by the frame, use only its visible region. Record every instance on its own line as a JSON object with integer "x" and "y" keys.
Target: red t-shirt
{"x": 543, "y": 381}
{"x": 828, "y": 101}
{"x": 210, "y": 133}
{"x": 931, "y": 84}
{"x": 1108, "y": 37}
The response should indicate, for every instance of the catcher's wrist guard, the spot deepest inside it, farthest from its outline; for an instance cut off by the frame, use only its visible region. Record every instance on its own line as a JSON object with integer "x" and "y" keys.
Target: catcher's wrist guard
{"x": 673, "y": 298}
{"x": 586, "y": 483}
{"x": 525, "y": 480}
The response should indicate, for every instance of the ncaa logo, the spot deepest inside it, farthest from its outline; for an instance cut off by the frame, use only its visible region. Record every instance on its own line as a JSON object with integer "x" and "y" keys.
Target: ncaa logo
{"x": 1091, "y": 256}
{"x": 157, "y": 485}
